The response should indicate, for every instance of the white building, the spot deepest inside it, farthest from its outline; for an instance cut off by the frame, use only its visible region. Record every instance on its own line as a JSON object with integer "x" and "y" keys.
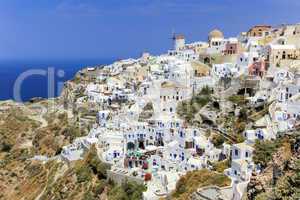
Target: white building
{"x": 179, "y": 42}
{"x": 258, "y": 134}
{"x": 216, "y": 42}
{"x": 241, "y": 165}
{"x": 225, "y": 70}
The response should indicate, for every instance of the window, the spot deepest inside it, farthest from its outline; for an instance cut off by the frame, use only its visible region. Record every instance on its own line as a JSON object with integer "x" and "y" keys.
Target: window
{"x": 283, "y": 55}
{"x": 236, "y": 152}
{"x": 181, "y": 134}
{"x": 247, "y": 154}
{"x": 154, "y": 162}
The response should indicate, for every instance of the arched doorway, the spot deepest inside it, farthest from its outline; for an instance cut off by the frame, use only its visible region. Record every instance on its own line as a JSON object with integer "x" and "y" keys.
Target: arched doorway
{"x": 130, "y": 146}
{"x": 141, "y": 144}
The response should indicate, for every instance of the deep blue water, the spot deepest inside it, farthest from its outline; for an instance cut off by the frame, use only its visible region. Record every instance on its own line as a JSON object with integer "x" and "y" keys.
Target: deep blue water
{"x": 35, "y": 85}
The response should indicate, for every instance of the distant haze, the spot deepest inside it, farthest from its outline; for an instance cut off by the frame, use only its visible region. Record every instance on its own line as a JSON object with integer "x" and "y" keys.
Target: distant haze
{"x": 91, "y": 29}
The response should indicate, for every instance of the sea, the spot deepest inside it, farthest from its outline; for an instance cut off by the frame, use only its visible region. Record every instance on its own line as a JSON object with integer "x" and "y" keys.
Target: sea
{"x": 23, "y": 80}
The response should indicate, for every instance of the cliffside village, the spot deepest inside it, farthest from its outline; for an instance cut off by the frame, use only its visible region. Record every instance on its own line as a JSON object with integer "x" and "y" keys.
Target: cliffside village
{"x": 139, "y": 132}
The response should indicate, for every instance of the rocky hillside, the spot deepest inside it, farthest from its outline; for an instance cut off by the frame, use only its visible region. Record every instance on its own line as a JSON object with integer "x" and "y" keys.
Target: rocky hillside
{"x": 194, "y": 180}
{"x": 280, "y": 177}
{"x": 43, "y": 128}
{"x": 26, "y": 131}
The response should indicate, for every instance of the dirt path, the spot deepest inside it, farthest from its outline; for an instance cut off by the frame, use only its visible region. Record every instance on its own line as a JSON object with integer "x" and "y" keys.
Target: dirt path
{"x": 41, "y": 194}
{"x": 38, "y": 112}
{"x": 59, "y": 173}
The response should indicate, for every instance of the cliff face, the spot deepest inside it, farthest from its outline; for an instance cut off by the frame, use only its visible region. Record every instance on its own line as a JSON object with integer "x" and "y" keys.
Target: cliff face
{"x": 280, "y": 178}
{"x": 67, "y": 96}
{"x": 40, "y": 128}
{"x": 26, "y": 130}
{"x": 74, "y": 89}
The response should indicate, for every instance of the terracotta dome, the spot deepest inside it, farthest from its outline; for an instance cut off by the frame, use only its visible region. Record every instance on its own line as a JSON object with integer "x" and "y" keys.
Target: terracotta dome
{"x": 215, "y": 34}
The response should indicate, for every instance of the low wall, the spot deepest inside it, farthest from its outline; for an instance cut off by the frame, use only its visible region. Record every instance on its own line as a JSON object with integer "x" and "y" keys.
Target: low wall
{"x": 120, "y": 177}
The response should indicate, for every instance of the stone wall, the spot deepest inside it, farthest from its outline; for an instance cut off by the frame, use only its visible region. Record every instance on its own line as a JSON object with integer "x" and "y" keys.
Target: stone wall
{"x": 119, "y": 177}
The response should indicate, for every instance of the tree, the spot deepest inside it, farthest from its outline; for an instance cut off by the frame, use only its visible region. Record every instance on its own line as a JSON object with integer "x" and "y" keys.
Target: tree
{"x": 127, "y": 191}
{"x": 264, "y": 151}
{"x": 95, "y": 163}
{"x": 83, "y": 174}
{"x": 218, "y": 140}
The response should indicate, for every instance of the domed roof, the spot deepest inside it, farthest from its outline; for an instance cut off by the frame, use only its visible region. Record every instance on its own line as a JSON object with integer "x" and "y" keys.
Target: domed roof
{"x": 215, "y": 34}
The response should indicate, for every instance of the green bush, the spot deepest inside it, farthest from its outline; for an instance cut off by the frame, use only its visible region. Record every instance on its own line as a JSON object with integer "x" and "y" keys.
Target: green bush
{"x": 83, "y": 174}
{"x": 243, "y": 114}
{"x": 239, "y": 138}
{"x": 127, "y": 191}
{"x": 190, "y": 182}
{"x": 221, "y": 166}
{"x": 218, "y": 140}
{"x": 264, "y": 150}
{"x": 206, "y": 91}
{"x": 88, "y": 196}
{"x": 99, "y": 168}
{"x": 99, "y": 187}
{"x": 237, "y": 99}
{"x": 188, "y": 108}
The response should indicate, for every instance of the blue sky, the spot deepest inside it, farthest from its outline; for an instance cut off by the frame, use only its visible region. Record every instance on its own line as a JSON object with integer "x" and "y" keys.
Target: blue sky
{"x": 94, "y": 29}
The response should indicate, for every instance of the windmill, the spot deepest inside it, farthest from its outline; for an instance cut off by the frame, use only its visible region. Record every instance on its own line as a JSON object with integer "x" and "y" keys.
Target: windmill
{"x": 173, "y": 35}
{"x": 178, "y": 41}
{"x": 173, "y": 38}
